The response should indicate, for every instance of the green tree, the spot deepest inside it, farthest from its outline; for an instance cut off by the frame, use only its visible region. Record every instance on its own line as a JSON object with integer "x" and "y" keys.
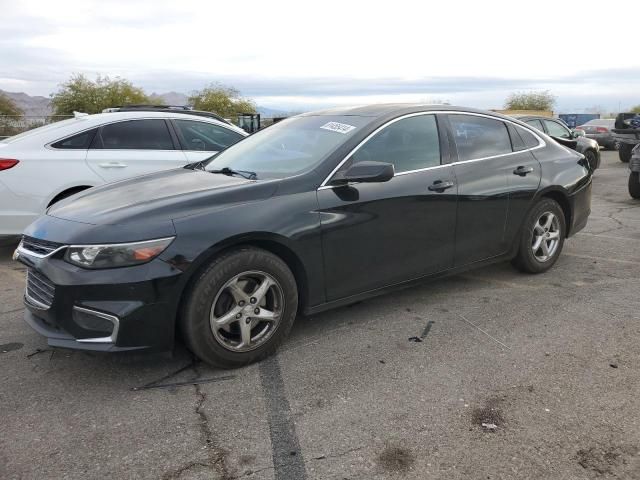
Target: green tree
{"x": 530, "y": 101}
{"x": 8, "y": 106}
{"x": 223, "y": 100}
{"x": 81, "y": 94}
{"x": 636, "y": 109}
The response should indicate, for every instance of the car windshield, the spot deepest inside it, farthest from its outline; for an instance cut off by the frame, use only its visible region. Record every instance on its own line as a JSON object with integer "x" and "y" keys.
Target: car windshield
{"x": 290, "y": 147}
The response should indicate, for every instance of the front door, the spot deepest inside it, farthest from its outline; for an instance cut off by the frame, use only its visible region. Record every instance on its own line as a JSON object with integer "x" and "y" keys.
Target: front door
{"x": 379, "y": 234}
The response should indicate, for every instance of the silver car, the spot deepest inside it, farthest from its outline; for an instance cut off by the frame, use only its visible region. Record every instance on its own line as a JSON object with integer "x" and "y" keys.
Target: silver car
{"x": 599, "y": 129}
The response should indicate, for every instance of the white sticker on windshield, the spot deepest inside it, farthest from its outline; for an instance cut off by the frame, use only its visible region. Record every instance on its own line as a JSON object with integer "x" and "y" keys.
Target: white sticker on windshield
{"x": 338, "y": 127}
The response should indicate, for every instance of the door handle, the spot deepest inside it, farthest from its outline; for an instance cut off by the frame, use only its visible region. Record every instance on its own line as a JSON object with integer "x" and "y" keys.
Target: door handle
{"x": 522, "y": 171}
{"x": 440, "y": 186}
{"x": 112, "y": 165}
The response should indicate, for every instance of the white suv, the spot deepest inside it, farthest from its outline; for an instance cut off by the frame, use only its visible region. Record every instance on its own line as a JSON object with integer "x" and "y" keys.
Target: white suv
{"x": 42, "y": 166}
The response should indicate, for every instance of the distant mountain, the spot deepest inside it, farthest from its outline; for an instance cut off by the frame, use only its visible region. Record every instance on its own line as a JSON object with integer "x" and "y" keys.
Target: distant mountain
{"x": 171, "y": 98}
{"x": 41, "y": 106}
{"x": 36, "y": 106}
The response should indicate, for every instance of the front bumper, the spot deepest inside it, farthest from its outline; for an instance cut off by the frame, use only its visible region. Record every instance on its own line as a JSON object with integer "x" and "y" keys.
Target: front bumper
{"x": 118, "y": 309}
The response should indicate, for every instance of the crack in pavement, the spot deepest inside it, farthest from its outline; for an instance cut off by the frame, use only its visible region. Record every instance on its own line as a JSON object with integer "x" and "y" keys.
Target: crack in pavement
{"x": 216, "y": 456}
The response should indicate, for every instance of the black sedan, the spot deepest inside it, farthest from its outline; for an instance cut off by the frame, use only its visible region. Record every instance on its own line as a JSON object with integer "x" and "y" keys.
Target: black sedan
{"x": 317, "y": 211}
{"x": 565, "y": 136}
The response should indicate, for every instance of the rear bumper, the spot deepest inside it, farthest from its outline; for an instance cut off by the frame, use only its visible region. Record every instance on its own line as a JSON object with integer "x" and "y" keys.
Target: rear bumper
{"x": 580, "y": 202}
{"x": 603, "y": 139}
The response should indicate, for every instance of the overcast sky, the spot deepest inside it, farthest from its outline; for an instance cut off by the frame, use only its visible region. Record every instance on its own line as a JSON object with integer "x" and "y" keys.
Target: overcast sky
{"x": 297, "y": 55}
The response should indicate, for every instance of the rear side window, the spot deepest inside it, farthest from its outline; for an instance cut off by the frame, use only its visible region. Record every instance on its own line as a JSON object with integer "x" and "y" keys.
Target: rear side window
{"x": 80, "y": 141}
{"x": 528, "y": 138}
{"x": 479, "y": 137}
{"x": 206, "y": 136}
{"x": 409, "y": 144}
{"x": 557, "y": 130}
{"x": 537, "y": 124}
{"x": 134, "y": 135}
{"x": 516, "y": 141}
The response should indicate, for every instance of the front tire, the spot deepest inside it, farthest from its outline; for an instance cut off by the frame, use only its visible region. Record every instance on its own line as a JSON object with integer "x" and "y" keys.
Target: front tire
{"x": 634, "y": 184}
{"x": 241, "y": 307}
{"x": 541, "y": 238}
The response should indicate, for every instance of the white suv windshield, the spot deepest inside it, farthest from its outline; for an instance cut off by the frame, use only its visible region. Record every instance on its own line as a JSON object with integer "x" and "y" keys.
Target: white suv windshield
{"x": 290, "y": 147}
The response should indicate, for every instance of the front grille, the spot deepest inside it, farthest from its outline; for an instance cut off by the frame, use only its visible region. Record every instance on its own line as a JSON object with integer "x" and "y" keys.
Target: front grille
{"x": 39, "y": 247}
{"x": 40, "y": 290}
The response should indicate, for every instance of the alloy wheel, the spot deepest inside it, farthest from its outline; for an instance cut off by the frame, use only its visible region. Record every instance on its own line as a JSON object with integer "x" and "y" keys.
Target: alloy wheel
{"x": 246, "y": 311}
{"x": 546, "y": 237}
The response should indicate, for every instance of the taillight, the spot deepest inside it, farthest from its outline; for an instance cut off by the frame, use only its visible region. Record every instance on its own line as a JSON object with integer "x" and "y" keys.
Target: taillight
{"x": 7, "y": 163}
{"x": 602, "y": 129}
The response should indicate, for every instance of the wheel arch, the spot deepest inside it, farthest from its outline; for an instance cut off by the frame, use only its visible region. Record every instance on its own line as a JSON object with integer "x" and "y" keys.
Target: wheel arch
{"x": 562, "y": 198}
{"x": 273, "y": 243}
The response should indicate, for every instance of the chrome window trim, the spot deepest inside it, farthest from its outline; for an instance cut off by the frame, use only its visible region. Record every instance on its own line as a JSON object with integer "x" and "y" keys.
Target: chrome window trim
{"x": 50, "y": 146}
{"x": 541, "y": 143}
{"x": 112, "y": 318}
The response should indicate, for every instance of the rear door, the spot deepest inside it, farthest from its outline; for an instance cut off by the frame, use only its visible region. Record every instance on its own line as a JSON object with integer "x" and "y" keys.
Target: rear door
{"x": 485, "y": 168}
{"x": 200, "y": 140}
{"x": 134, "y": 147}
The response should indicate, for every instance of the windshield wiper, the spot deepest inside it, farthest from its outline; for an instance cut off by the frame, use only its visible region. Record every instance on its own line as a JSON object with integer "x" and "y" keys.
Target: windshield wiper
{"x": 243, "y": 173}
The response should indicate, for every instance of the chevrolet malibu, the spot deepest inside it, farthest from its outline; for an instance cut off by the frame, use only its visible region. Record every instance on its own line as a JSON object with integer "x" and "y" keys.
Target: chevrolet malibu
{"x": 318, "y": 211}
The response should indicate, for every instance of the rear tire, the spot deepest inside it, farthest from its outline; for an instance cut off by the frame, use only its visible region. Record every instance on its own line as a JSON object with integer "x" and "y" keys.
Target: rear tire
{"x": 624, "y": 152}
{"x": 224, "y": 324}
{"x": 541, "y": 238}
{"x": 634, "y": 184}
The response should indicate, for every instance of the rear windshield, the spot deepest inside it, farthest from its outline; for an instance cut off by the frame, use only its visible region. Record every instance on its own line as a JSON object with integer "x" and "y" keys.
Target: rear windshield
{"x": 290, "y": 147}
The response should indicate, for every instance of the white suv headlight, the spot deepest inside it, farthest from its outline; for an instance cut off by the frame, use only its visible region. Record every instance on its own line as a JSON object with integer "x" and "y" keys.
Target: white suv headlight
{"x": 117, "y": 254}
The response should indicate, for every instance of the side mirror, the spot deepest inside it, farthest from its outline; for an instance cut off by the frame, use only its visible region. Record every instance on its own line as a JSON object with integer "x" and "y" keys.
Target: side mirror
{"x": 577, "y": 133}
{"x": 365, "y": 172}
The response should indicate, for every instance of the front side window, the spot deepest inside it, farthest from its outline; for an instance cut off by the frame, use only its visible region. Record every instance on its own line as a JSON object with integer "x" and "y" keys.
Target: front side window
{"x": 290, "y": 147}
{"x": 206, "y": 137}
{"x": 81, "y": 141}
{"x": 479, "y": 137}
{"x": 409, "y": 144}
{"x": 557, "y": 130}
{"x": 134, "y": 135}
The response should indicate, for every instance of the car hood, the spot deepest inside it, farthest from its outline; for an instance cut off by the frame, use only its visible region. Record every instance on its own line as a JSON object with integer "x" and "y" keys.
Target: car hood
{"x": 160, "y": 196}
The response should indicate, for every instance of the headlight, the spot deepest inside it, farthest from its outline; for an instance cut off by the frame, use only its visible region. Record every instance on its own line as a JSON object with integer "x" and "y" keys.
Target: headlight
{"x": 117, "y": 254}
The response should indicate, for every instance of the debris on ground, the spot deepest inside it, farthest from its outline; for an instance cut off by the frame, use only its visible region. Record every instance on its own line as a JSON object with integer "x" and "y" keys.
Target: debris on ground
{"x": 415, "y": 339}
{"x": 489, "y": 426}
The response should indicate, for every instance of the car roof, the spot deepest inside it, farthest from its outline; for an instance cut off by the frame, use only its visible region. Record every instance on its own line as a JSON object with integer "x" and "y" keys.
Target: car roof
{"x": 166, "y": 108}
{"x": 386, "y": 109}
{"x": 600, "y": 121}
{"x": 80, "y": 123}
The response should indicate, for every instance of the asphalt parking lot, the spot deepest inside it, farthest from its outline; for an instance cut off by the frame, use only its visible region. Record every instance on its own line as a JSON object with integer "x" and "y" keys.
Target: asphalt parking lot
{"x": 551, "y": 361}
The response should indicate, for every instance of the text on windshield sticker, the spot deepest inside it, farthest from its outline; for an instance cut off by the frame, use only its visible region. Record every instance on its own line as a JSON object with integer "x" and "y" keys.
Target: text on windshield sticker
{"x": 338, "y": 127}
